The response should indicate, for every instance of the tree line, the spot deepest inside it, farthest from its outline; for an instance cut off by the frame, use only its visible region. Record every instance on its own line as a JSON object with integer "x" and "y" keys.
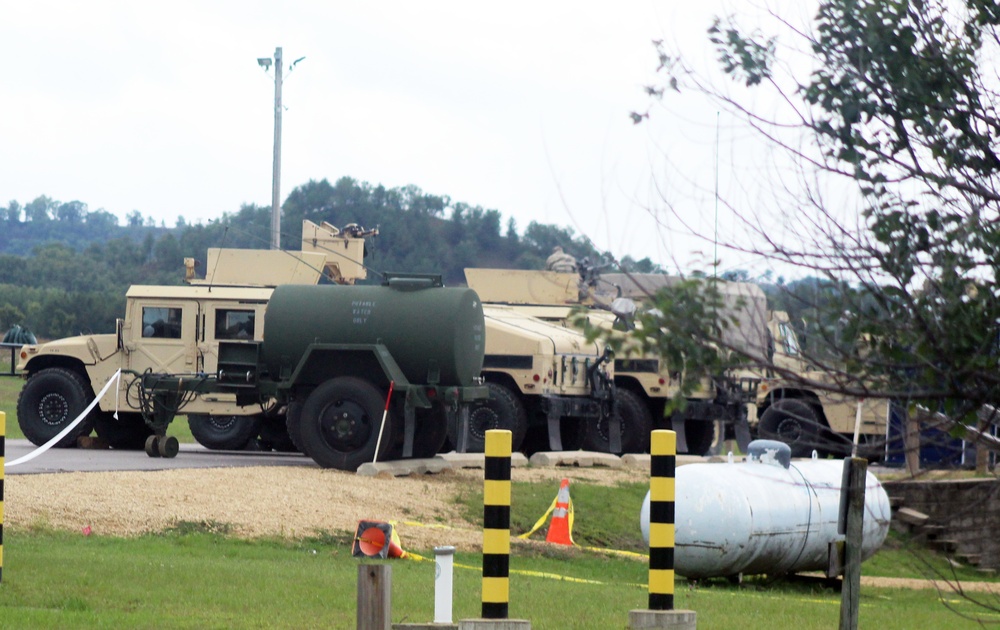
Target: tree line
{"x": 64, "y": 269}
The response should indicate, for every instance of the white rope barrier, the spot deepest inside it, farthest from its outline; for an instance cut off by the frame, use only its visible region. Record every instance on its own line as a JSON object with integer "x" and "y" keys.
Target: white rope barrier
{"x": 72, "y": 425}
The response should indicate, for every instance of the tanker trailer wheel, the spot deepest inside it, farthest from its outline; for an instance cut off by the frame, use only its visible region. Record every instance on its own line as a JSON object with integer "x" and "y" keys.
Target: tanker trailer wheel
{"x": 431, "y": 431}
{"x": 502, "y": 410}
{"x": 793, "y": 422}
{"x": 636, "y": 424}
{"x": 340, "y": 424}
{"x": 274, "y": 434}
{"x": 700, "y": 434}
{"x": 293, "y": 423}
{"x": 49, "y": 401}
{"x": 224, "y": 433}
{"x": 128, "y": 432}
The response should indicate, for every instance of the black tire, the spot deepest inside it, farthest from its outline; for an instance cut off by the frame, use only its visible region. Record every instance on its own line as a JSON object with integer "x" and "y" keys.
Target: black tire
{"x": 699, "y": 434}
{"x": 502, "y": 410}
{"x": 127, "y": 433}
{"x": 431, "y": 431}
{"x": 49, "y": 401}
{"x": 340, "y": 423}
{"x": 636, "y": 424}
{"x": 224, "y": 433}
{"x": 794, "y": 422}
{"x": 274, "y": 435}
{"x": 293, "y": 424}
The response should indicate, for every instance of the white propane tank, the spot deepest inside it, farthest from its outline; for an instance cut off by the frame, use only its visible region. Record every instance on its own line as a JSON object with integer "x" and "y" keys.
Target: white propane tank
{"x": 765, "y": 515}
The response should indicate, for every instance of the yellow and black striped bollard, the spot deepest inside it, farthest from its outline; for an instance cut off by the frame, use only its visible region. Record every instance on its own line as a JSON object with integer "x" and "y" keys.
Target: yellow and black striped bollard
{"x": 663, "y": 461}
{"x": 496, "y": 525}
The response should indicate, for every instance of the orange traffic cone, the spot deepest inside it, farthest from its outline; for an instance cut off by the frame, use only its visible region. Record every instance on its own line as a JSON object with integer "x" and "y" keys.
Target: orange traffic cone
{"x": 561, "y": 526}
{"x": 370, "y": 541}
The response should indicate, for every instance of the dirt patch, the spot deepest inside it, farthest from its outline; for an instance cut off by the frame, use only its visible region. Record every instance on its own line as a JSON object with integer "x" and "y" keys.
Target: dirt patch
{"x": 289, "y": 502}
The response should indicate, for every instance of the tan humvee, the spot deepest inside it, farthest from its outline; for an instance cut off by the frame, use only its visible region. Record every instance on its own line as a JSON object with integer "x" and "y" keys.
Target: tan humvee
{"x": 175, "y": 329}
{"x": 826, "y": 421}
{"x": 549, "y": 379}
{"x": 554, "y": 296}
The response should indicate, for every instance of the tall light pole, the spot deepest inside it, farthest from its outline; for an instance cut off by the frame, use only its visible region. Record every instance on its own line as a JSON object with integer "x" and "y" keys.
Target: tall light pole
{"x": 265, "y": 62}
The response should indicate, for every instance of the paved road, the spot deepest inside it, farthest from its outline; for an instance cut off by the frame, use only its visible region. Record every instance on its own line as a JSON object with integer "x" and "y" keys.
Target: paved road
{"x": 190, "y": 456}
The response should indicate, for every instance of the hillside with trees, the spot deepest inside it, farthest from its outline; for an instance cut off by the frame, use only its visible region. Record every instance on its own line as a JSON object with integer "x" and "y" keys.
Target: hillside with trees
{"x": 64, "y": 269}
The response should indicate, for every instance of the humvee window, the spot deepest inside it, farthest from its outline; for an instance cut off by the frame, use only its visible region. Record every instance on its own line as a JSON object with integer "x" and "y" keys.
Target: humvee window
{"x": 789, "y": 340}
{"x": 234, "y": 324}
{"x": 159, "y": 322}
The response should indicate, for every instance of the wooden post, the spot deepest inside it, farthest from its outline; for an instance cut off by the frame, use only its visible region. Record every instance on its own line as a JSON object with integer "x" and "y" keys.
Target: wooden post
{"x": 3, "y": 434}
{"x": 374, "y": 597}
{"x": 911, "y": 442}
{"x": 850, "y": 594}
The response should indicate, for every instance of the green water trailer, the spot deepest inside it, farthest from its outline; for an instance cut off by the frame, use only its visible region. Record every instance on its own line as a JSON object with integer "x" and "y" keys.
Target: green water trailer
{"x": 338, "y": 356}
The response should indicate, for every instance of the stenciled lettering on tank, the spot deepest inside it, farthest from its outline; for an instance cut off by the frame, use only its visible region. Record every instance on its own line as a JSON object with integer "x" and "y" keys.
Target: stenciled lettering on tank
{"x": 361, "y": 310}
{"x": 478, "y": 336}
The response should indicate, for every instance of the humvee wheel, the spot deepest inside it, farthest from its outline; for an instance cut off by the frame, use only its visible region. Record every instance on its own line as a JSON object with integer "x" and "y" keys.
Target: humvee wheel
{"x": 793, "y": 422}
{"x": 224, "y": 433}
{"x": 502, "y": 410}
{"x": 636, "y": 424}
{"x": 340, "y": 424}
{"x": 128, "y": 432}
{"x": 49, "y": 401}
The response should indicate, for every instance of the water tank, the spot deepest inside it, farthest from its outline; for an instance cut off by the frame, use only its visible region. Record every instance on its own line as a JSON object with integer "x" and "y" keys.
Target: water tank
{"x": 428, "y": 329}
{"x": 766, "y": 515}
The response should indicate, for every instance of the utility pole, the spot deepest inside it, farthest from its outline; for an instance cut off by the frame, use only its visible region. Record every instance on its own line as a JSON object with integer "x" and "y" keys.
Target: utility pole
{"x": 265, "y": 63}
{"x": 276, "y": 176}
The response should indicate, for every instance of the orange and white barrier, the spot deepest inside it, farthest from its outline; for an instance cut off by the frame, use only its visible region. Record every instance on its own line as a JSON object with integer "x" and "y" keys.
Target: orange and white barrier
{"x": 377, "y": 539}
{"x": 560, "y": 530}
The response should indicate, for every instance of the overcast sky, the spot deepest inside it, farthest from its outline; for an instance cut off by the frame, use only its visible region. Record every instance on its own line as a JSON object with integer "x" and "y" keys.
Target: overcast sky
{"x": 522, "y": 107}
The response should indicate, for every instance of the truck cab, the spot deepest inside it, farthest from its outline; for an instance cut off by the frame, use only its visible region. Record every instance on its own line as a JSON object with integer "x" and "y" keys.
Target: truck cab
{"x": 798, "y": 403}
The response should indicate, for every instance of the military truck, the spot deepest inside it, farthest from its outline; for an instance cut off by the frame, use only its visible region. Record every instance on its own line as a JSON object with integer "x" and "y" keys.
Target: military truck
{"x": 332, "y": 356}
{"x": 553, "y": 389}
{"x": 803, "y": 411}
{"x": 643, "y": 381}
{"x": 547, "y": 384}
{"x": 171, "y": 329}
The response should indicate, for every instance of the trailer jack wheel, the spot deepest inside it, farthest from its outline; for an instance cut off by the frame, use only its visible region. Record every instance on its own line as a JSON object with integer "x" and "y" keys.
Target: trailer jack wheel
{"x": 153, "y": 446}
{"x": 168, "y": 446}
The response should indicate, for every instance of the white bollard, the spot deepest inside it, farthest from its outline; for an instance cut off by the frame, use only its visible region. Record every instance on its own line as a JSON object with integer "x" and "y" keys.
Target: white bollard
{"x": 444, "y": 562}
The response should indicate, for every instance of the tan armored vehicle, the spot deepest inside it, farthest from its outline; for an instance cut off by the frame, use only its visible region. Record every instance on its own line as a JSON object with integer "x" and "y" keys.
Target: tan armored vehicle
{"x": 643, "y": 381}
{"x": 802, "y": 413}
{"x": 177, "y": 330}
{"x": 798, "y": 411}
{"x": 547, "y": 382}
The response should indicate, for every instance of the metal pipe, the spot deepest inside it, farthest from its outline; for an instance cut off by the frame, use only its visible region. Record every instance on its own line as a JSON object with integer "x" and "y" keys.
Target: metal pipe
{"x": 444, "y": 562}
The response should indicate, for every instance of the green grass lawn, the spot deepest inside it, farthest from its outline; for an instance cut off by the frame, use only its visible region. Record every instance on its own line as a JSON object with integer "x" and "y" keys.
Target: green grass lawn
{"x": 192, "y": 579}
{"x": 195, "y": 576}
